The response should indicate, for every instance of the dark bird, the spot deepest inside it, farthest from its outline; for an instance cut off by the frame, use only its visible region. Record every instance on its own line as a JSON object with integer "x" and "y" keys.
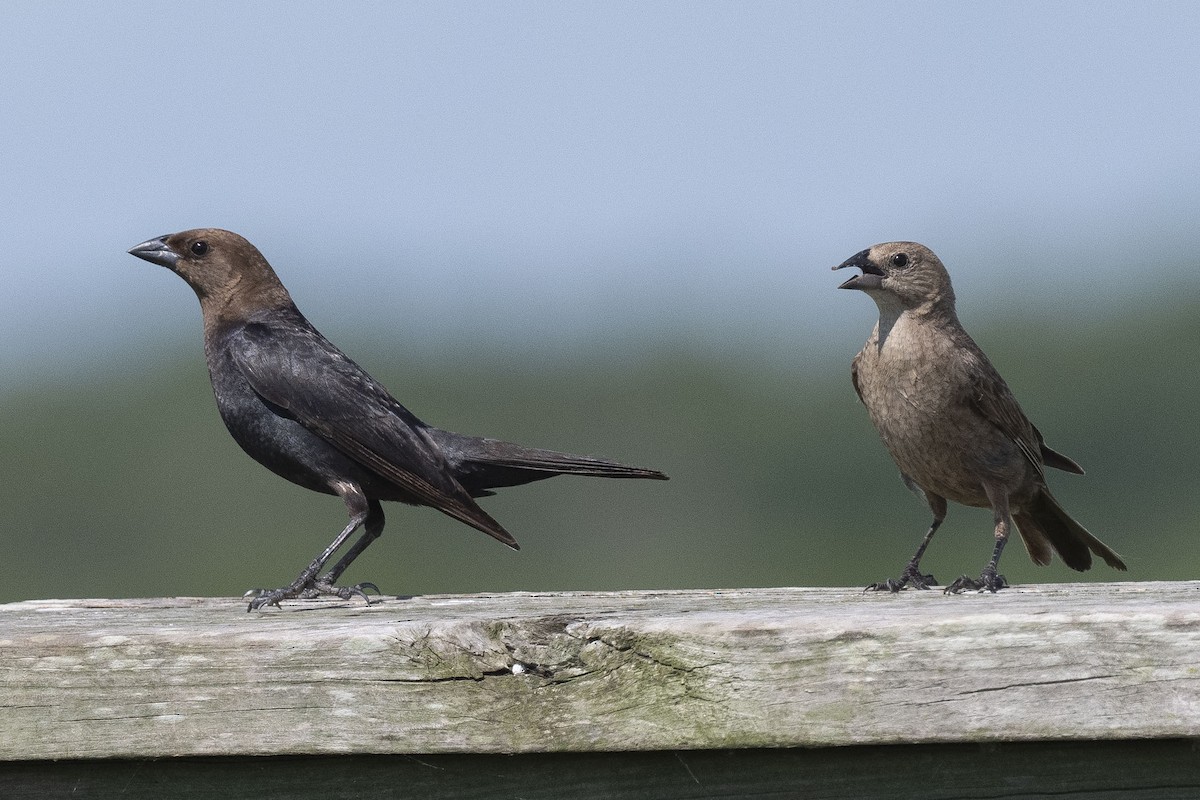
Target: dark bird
{"x": 951, "y": 423}
{"x": 303, "y": 409}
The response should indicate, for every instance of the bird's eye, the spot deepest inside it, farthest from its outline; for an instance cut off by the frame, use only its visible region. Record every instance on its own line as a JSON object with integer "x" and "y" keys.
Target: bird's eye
{"x": 900, "y": 260}
{"x": 200, "y": 247}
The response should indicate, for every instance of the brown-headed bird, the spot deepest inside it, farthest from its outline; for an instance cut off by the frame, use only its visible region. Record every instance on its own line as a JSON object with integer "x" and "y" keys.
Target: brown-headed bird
{"x": 303, "y": 409}
{"x": 950, "y": 421}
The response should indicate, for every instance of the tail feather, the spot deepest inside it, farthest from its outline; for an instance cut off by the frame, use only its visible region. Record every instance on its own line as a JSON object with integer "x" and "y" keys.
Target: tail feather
{"x": 1044, "y": 524}
{"x": 1052, "y": 458}
{"x": 503, "y": 454}
{"x": 481, "y": 464}
{"x": 1037, "y": 544}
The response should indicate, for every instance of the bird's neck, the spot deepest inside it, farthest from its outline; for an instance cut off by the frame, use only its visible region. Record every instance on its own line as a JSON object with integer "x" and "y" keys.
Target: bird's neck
{"x": 894, "y": 315}
{"x": 891, "y": 310}
{"x": 239, "y": 300}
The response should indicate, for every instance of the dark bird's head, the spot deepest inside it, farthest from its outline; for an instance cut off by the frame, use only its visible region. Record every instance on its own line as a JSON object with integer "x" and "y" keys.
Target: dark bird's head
{"x": 228, "y": 273}
{"x": 904, "y": 276}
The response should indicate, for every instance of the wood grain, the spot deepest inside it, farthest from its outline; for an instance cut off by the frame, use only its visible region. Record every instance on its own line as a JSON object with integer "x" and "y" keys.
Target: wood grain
{"x": 589, "y": 672}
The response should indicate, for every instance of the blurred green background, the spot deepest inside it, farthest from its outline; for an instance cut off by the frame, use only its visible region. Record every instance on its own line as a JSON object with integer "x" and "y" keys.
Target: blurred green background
{"x": 601, "y": 227}
{"x": 126, "y": 483}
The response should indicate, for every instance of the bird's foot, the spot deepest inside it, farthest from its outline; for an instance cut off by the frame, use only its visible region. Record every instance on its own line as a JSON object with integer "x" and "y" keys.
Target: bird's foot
{"x": 322, "y": 586}
{"x": 307, "y": 588}
{"x": 910, "y": 577}
{"x": 989, "y": 581}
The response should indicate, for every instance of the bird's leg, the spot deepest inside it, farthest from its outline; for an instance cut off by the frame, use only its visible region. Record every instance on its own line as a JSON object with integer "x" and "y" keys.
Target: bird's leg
{"x": 372, "y": 528}
{"x": 912, "y": 576}
{"x": 990, "y": 580}
{"x": 306, "y": 584}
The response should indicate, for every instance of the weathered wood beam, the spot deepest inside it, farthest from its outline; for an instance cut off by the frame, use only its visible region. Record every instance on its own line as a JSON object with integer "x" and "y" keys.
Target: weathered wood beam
{"x": 579, "y": 671}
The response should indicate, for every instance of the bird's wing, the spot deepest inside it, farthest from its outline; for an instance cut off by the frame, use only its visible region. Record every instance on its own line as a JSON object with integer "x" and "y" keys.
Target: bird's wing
{"x": 854, "y": 377}
{"x": 310, "y": 380}
{"x": 994, "y": 401}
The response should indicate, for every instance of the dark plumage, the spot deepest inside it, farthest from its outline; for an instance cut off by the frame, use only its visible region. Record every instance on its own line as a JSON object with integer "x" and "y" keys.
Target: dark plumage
{"x": 303, "y": 409}
{"x": 951, "y": 423}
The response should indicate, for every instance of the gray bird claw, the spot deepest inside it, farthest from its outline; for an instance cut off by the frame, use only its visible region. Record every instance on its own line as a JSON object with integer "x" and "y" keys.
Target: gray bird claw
{"x": 988, "y": 581}
{"x": 261, "y": 598}
{"x": 306, "y": 591}
{"x": 347, "y": 592}
{"x": 910, "y": 577}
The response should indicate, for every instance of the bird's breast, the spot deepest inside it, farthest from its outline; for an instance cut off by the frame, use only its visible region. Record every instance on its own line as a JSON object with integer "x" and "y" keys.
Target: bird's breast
{"x": 270, "y": 437}
{"x": 913, "y": 391}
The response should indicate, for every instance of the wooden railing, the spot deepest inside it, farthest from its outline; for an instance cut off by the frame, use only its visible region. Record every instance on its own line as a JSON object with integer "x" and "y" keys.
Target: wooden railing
{"x": 680, "y": 675}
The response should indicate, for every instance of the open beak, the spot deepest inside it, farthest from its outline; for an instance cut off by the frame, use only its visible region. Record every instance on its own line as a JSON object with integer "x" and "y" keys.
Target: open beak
{"x": 871, "y": 278}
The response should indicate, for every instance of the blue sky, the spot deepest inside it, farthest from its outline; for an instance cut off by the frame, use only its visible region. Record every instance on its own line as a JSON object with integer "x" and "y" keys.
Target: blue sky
{"x": 532, "y": 172}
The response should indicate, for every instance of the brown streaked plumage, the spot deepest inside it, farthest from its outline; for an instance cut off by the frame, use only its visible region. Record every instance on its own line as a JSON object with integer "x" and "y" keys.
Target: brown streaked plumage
{"x": 303, "y": 409}
{"x": 951, "y": 423}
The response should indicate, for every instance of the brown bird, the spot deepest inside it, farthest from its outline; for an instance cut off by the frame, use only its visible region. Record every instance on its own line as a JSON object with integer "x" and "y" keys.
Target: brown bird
{"x": 304, "y": 410}
{"x": 951, "y": 423}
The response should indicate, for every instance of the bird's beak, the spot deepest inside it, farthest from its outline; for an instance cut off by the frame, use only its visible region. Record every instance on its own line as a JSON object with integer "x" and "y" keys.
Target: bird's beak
{"x": 872, "y": 276}
{"x": 156, "y": 251}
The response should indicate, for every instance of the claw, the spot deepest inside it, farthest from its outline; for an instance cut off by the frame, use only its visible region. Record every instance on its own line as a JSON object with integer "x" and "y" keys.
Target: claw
{"x": 988, "y": 581}
{"x": 253, "y": 595}
{"x": 263, "y": 599}
{"x": 910, "y": 577}
{"x": 890, "y": 585}
{"x": 346, "y": 592}
{"x": 306, "y": 590}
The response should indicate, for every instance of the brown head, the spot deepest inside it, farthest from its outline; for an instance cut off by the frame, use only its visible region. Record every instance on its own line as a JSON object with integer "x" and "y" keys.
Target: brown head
{"x": 228, "y": 274}
{"x": 905, "y": 276}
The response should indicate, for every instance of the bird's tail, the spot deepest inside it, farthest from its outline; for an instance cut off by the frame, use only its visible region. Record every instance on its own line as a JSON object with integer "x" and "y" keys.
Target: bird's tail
{"x": 1044, "y": 525}
{"x": 481, "y": 464}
